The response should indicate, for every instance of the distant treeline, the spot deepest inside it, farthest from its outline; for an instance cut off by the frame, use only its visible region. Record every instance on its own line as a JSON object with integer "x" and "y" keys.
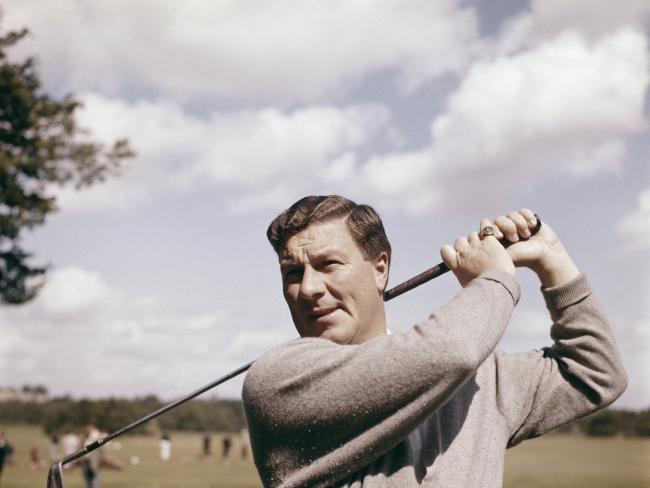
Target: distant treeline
{"x": 611, "y": 422}
{"x": 60, "y": 415}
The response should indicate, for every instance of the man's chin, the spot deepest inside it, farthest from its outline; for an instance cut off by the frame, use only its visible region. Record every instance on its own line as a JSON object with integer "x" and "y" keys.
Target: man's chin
{"x": 338, "y": 334}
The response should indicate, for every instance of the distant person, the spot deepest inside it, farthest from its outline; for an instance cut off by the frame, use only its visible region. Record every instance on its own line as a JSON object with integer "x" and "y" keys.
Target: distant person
{"x": 54, "y": 447}
{"x": 165, "y": 447}
{"x": 226, "y": 444}
{"x": 70, "y": 442}
{"x": 5, "y": 452}
{"x": 245, "y": 444}
{"x": 91, "y": 463}
{"x": 207, "y": 445}
{"x": 35, "y": 461}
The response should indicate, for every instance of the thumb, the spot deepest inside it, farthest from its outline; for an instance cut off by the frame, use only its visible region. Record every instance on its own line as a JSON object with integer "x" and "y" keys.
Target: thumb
{"x": 523, "y": 253}
{"x": 449, "y": 256}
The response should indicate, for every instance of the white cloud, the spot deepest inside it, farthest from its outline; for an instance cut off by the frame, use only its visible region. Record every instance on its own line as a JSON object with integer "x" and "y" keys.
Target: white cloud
{"x": 111, "y": 194}
{"x": 256, "y": 157}
{"x": 253, "y": 148}
{"x": 546, "y": 19}
{"x": 634, "y": 228}
{"x": 564, "y": 107}
{"x": 73, "y": 290}
{"x": 274, "y": 50}
{"x": 99, "y": 341}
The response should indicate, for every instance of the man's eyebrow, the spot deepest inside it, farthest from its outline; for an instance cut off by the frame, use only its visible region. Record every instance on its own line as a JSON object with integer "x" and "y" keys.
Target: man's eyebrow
{"x": 288, "y": 260}
{"x": 326, "y": 253}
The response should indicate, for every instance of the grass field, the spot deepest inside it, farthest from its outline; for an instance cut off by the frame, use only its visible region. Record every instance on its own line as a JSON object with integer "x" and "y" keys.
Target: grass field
{"x": 552, "y": 461}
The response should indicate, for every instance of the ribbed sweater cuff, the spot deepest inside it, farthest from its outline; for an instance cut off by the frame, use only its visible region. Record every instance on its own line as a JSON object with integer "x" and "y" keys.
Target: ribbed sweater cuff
{"x": 508, "y": 281}
{"x": 559, "y": 297}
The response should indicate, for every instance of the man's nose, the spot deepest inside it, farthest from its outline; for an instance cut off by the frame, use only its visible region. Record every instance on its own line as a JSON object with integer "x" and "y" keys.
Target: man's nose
{"x": 312, "y": 284}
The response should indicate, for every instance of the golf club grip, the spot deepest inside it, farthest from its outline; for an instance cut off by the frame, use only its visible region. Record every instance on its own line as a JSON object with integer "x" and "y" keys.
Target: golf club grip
{"x": 438, "y": 270}
{"x": 416, "y": 281}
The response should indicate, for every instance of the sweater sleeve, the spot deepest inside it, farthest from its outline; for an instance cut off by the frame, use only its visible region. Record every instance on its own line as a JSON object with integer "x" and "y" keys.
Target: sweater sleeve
{"x": 580, "y": 373}
{"x": 318, "y": 411}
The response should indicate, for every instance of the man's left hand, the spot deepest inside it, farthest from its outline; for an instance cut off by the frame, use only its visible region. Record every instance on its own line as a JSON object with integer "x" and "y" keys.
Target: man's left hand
{"x": 543, "y": 252}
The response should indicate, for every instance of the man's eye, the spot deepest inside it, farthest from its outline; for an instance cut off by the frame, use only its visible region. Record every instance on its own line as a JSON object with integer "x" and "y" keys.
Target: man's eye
{"x": 292, "y": 274}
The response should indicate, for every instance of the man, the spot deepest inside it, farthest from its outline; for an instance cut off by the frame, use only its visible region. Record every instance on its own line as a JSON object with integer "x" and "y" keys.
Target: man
{"x": 350, "y": 405}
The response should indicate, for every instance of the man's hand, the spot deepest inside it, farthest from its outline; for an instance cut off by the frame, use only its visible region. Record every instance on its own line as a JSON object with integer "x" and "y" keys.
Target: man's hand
{"x": 543, "y": 253}
{"x": 471, "y": 256}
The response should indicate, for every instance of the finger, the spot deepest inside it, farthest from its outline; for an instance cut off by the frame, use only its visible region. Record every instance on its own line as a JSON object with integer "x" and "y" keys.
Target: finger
{"x": 507, "y": 227}
{"x": 461, "y": 244}
{"x": 488, "y": 223}
{"x": 449, "y": 256}
{"x": 520, "y": 222}
{"x": 484, "y": 223}
{"x": 530, "y": 217}
{"x": 473, "y": 237}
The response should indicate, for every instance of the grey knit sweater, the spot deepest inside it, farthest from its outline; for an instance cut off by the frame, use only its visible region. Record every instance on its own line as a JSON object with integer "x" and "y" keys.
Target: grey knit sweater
{"x": 433, "y": 406}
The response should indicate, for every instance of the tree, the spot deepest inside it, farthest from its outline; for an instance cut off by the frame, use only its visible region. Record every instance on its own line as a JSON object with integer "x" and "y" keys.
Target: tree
{"x": 642, "y": 423}
{"x": 41, "y": 146}
{"x": 603, "y": 424}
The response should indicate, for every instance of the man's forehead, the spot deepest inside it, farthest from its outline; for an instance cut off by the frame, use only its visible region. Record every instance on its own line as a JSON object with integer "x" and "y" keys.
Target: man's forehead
{"x": 312, "y": 250}
{"x": 322, "y": 238}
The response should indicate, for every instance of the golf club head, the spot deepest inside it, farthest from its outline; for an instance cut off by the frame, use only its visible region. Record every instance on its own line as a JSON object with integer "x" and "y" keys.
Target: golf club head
{"x": 55, "y": 476}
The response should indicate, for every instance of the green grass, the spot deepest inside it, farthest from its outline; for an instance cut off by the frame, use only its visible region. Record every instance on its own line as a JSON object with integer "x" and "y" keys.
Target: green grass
{"x": 571, "y": 460}
{"x": 184, "y": 469}
{"x": 552, "y": 461}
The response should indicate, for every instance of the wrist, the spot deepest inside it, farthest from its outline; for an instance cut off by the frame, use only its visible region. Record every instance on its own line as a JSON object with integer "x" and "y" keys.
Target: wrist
{"x": 556, "y": 271}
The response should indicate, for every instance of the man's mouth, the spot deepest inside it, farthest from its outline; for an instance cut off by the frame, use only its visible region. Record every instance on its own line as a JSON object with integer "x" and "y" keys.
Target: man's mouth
{"x": 322, "y": 314}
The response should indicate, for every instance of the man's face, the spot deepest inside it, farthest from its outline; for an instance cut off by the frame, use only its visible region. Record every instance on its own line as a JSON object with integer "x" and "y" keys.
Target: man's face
{"x": 331, "y": 290}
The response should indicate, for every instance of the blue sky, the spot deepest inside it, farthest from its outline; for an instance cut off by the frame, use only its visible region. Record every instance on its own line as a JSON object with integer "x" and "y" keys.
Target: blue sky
{"x": 437, "y": 113}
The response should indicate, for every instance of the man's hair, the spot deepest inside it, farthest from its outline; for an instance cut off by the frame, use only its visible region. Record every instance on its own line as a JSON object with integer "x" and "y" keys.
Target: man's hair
{"x": 363, "y": 222}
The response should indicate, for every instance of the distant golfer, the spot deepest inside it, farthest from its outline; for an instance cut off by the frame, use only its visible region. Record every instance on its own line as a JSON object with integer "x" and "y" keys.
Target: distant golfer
{"x": 165, "y": 445}
{"x": 207, "y": 445}
{"x": 350, "y": 405}
{"x": 5, "y": 452}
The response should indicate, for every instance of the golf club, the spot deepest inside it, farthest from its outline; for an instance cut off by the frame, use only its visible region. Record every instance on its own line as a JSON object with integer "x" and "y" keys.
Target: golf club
{"x": 55, "y": 474}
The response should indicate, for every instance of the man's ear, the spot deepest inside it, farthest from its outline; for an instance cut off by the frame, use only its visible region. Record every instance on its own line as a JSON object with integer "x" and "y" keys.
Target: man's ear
{"x": 381, "y": 271}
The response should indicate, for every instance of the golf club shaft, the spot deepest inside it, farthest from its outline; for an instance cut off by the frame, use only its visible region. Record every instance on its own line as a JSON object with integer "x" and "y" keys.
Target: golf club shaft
{"x": 392, "y": 293}
{"x": 400, "y": 289}
{"x": 100, "y": 442}
{"x": 388, "y": 295}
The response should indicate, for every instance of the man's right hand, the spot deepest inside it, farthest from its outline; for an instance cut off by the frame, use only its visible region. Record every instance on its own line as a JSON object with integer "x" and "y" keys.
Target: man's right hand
{"x": 471, "y": 256}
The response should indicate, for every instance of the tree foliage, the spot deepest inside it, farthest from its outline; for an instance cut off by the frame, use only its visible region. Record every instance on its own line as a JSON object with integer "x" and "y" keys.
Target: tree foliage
{"x": 41, "y": 147}
{"x": 60, "y": 415}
